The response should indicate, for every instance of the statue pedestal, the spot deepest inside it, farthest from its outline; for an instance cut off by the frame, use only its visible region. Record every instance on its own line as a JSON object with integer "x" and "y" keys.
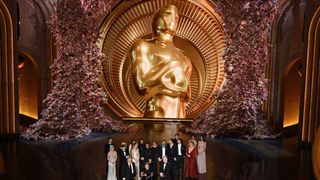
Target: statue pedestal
{"x": 171, "y": 120}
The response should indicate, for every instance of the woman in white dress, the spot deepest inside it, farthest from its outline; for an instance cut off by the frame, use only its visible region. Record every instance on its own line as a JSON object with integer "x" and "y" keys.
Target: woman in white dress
{"x": 135, "y": 155}
{"x": 112, "y": 159}
{"x": 130, "y": 147}
{"x": 201, "y": 157}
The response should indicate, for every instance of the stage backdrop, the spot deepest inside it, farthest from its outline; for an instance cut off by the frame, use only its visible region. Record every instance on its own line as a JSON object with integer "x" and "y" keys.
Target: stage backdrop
{"x": 74, "y": 106}
{"x": 239, "y": 104}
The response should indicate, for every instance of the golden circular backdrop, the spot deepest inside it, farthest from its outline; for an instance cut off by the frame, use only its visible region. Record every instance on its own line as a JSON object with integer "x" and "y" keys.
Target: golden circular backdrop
{"x": 199, "y": 35}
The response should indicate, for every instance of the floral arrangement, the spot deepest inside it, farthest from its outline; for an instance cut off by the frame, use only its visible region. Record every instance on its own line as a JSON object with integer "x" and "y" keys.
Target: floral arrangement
{"x": 238, "y": 108}
{"x": 74, "y": 107}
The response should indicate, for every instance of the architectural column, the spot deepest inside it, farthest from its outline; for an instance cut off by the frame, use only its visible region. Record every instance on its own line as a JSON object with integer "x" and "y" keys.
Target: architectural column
{"x": 310, "y": 108}
{"x": 8, "y": 96}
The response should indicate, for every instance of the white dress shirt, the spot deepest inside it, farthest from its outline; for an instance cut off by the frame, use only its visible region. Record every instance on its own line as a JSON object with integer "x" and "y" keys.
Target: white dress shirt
{"x": 179, "y": 150}
{"x": 163, "y": 151}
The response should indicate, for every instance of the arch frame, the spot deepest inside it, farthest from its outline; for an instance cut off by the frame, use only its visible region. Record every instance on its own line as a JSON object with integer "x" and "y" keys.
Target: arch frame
{"x": 310, "y": 116}
{"x": 276, "y": 70}
{"x": 44, "y": 57}
{"x": 8, "y": 97}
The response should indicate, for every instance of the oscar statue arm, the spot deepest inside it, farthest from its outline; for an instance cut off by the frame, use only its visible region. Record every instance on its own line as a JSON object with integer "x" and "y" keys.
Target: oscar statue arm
{"x": 188, "y": 75}
{"x": 153, "y": 76}
{"x": 138, "y": 56}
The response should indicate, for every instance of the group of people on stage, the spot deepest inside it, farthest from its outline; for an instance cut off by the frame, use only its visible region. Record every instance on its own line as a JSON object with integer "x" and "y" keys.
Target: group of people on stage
{"x": 169, "y": 160}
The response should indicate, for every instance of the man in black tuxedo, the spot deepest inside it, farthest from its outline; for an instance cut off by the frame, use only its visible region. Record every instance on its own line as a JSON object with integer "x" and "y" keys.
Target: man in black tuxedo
{"x": 142, "y": 149}
{"x": 163, "y": 150}
{"x": 106, "y": 150}
{"x": 147, "y": 173}
{"x": 171, "y": 149}
{"x": 165, "y": 170}
{"x": 176, "y": 137}
{"x": 179, "y": 152}
{"x": 147, "y": 152}
{"x": 123, "y": 155}
{"x": 108, "y": 144}
{"x": 155, "y": 156}
{"x": 128, "y": 171}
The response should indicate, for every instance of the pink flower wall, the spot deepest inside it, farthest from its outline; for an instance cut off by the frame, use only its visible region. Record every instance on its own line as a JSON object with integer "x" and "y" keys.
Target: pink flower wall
{"x": 74, "y": 106}
{"x": 238, "y": 109}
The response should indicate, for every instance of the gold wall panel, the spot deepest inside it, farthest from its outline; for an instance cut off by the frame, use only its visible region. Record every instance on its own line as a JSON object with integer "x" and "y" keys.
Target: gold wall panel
{"x": 316, "y": 155}
{"x": 7, "y": 74}
{"x": 199, "y": 35}
{"x": 310, "y": 115}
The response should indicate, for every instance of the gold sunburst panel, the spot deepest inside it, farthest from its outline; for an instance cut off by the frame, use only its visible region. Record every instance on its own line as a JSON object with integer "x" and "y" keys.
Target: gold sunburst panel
{"x": 199, "y": 35}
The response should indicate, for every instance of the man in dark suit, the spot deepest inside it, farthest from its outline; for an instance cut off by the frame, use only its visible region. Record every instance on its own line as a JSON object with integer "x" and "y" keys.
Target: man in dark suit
{"x": 165, "y": 170}
{"x": 176, "y": 137}
{"x": 163, "y": 150}
{"x": 128, "y": 171}
{"x": 179, "y": 152}
{"x": 142, "y": 148}
{"x": 171, "y": 149}
{"x": 123, "y": 155}
{"x": 147, "y": 152}
{"x": 108, "y": 144}
{"x": 155, "y": 156}
{"x": 107, "y": 149}
{"x": 147, "y": 173}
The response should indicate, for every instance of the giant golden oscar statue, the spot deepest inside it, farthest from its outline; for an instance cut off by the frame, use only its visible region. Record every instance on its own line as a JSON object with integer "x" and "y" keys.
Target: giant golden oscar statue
{"x": 161, "y": 72}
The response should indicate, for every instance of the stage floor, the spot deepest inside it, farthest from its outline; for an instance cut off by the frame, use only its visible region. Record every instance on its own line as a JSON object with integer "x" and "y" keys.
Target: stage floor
{"x": 227, "y": 158}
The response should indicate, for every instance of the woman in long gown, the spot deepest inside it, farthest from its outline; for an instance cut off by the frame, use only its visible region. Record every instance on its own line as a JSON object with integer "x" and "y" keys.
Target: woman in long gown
{"x": 112, "y": 159}
{"x": 135, "y": 155}
{"x": 191, "y": 170}
{"x": 130, "y": 147}
{"x": 201, "y": 158}
{"x": 193, "y": 139}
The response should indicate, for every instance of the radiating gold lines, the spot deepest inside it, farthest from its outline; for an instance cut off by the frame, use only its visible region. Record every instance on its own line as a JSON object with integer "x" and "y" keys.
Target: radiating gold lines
{"x": 198, "y": 25}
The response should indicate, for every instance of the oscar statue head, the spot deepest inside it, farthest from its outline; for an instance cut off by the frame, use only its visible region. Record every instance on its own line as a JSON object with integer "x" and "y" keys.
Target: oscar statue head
{"x": 165, "y": 21}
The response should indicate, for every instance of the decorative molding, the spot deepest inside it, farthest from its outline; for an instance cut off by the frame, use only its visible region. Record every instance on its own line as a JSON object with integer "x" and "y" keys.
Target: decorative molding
{"x": 311, "y": 98}
{"x": 276, "y": 72}
{"x": 46, "y": 52}
{"x": 7, "y": 98}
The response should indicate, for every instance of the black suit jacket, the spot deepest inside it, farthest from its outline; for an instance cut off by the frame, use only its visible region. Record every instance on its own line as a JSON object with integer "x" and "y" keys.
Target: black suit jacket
{"x": 127, "y": 173}
{"x": 167, "y": 171}
{"x": 160, "y": 151}
{"x": 155, "y": 153}
{"x": 170, "y": 153}
{"x": 122, "y": 157}
{"x": 142, "y": 148}
{"x": 176, "y": 141}
{"x": 176, "y": 150}
{"x": 148, "y": 174}
{"x": 147, "y": 154}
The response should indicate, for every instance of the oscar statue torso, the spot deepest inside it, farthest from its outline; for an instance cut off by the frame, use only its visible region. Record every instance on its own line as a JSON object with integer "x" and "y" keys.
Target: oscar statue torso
{"x": 161, "y": 74}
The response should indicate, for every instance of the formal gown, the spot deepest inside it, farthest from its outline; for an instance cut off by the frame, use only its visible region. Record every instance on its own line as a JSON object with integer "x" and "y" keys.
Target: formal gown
{"x": 195, "y": 143}
{"x": 191, "y": 170}
{"x": 112, "y": 159}
{"x": 136, "y": 159}
{"x": 201, "y": 159}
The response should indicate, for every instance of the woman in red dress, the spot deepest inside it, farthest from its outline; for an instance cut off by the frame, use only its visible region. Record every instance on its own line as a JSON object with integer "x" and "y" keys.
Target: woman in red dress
{"x": 191, "y": 170}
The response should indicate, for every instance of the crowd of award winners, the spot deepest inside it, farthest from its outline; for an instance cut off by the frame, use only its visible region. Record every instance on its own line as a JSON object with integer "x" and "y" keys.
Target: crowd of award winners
{"x": 172, "y": 159}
